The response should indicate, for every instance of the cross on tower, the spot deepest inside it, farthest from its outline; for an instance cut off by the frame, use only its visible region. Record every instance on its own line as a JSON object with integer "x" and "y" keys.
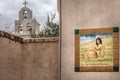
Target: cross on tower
{"x": 25, "y": 3}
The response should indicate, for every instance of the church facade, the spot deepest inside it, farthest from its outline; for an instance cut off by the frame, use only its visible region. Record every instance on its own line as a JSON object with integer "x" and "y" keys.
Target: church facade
{"x": 26, "y": 25}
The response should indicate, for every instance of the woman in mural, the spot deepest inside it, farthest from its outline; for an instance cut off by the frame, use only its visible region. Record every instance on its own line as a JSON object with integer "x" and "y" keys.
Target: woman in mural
{"x": 98, "y": 50}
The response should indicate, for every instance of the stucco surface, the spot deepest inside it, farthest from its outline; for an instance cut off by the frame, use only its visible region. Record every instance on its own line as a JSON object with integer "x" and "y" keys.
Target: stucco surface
{"x": 28, "y": 59}
{"x": 79, "y": 14}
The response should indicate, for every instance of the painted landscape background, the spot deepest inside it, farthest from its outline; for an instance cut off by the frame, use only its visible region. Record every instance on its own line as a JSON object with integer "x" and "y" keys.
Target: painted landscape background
{"x": 106, "y": 61}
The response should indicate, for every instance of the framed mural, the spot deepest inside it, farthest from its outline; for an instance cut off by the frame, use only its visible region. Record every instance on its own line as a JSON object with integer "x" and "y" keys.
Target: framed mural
{"x": 97, "y": 50}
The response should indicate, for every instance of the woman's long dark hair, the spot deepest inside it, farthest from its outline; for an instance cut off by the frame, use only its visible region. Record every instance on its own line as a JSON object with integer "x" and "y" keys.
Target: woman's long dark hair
{"x": 99, "y": 40}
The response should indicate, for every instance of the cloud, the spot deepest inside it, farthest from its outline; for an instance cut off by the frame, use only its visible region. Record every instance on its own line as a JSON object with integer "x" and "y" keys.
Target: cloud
{"x": 85, "y": 38}
{"x": 9, "y": 10}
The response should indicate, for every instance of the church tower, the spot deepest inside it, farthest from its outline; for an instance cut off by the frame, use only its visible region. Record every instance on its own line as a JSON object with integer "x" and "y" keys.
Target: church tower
{"x": 26, "y": 25}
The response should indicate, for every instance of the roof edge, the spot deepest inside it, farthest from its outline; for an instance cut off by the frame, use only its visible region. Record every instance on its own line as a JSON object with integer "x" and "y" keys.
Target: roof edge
{"x": 27, "y": 40}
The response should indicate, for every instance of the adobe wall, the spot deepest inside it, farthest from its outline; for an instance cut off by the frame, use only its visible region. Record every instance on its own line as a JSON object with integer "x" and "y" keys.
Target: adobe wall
{"x": 79, "y": 14}
{"x": 28, "y": 59}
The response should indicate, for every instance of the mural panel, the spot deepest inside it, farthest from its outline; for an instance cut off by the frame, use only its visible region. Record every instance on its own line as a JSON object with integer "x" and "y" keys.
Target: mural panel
{"x": 97, "y": 50}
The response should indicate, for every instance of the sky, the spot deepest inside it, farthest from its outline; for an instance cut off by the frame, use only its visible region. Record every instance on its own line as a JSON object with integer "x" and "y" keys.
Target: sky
{"x": 9, "y": 10}
{"x": 85, "y": 38}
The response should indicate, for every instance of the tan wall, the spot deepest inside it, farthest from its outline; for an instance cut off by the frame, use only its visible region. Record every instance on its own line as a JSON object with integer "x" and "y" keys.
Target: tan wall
{"x": 10, "y": 60}
{"x": 30, "y": 59}
{"x": 78, "y": 14}
{"x": 40, "y": 61}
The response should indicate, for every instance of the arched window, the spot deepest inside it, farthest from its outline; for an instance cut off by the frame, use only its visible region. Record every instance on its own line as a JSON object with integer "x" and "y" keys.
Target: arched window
{"x": 21, "y": 27}
{"x": 29, "y": 27}
{"x": 25, "y": 14}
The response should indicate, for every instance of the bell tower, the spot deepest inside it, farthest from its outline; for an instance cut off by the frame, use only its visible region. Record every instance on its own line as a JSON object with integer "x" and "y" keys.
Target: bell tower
{"x": 25, "y": 12}
{"x": 26, "y": 25}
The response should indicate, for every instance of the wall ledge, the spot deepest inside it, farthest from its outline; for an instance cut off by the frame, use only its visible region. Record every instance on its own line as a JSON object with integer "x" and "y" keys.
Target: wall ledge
{"x": 27, "y": 40}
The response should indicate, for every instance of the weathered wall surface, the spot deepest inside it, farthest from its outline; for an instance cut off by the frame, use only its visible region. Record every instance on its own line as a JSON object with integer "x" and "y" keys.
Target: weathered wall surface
{"x": 78, "y": 14}
{"x": 28, "y": 59}
{"x": 40, "y": 61}
{"x": 10, "y": 60}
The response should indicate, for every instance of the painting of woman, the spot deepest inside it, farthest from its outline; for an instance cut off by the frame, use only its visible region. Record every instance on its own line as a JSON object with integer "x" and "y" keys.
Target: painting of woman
{"x": 98, "y": 50}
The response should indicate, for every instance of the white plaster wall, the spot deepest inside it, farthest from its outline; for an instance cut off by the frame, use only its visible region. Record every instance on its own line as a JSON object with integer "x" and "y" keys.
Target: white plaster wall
{"x": 78, "y": 14}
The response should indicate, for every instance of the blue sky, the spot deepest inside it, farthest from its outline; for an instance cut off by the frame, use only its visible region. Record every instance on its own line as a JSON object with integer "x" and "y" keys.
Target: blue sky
{"x": 9, "y": 11}
{"x": 85, "y": 38}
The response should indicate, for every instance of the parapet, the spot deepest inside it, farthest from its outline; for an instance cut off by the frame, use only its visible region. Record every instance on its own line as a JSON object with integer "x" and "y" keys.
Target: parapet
{"x": 28, "y": 40}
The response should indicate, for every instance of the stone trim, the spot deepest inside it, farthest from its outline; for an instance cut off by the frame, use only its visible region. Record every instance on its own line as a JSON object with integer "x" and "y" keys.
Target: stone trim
{"x": 29, "y": 40}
